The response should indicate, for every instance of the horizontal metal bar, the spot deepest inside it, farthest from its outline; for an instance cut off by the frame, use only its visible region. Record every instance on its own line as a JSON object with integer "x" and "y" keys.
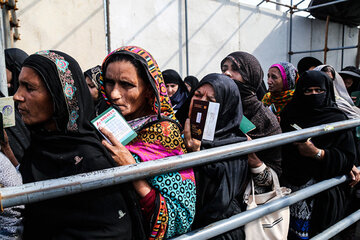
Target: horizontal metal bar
{"x": 322, "y": 50}
{"x": 37, "y": 191}
{"x": 321, "y": 5}
{"x": 338, "y": 227}
{"x": 243, "y": 218}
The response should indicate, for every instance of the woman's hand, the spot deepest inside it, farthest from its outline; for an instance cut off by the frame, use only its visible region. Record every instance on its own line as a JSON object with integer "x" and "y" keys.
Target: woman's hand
{"x": 253, "y": 160}
{"x": 192, "y": 144}
{"x": 355, "y": 176}
{"x": 123, "y": 157}
{"x": 119, "y": 153}
{"x": 308, "y": 149}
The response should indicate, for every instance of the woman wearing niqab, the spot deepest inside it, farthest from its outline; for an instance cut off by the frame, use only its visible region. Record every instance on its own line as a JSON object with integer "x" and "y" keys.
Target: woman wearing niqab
{"x": 335, "y": 154}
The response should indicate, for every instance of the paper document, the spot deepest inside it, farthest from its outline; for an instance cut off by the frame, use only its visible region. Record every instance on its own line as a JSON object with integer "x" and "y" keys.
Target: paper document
{"x": 8, "y": 111}
{"x": 116, "y": 124}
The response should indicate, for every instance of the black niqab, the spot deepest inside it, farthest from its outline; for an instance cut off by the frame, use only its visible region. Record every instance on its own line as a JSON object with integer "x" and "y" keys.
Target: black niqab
{"x": 315, "y": 109}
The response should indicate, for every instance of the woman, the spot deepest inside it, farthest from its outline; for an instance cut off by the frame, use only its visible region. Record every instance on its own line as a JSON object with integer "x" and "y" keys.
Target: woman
{"x": 92, "y": 78}
{"x": 219, "y": 184}
{"x": 246, "y": 72}
{"x": 176, "y": 88}
{"x": 282, "y": 78}
{"x": 191, "y": 82}
{"x": 56, "y": 105}
{"x": 19, "y": 135}
{"x": 351, "y": 77}
{"x": 14, "y": 57}
{"x": 133, "y": 84}
{"x": 321, "y": 158}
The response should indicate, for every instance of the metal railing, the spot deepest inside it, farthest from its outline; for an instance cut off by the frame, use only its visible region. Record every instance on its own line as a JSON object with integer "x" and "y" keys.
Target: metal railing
{"x": 38, "y": 191}
{"x": 243, "y": 218}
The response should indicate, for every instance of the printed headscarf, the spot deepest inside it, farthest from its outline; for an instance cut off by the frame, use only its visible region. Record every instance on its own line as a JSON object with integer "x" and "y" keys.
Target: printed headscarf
{"x": 94, "y": 75}
{"x": 162, "y": 105}
{"x": 289, "y": 76}
{"x": 288, "y": 73}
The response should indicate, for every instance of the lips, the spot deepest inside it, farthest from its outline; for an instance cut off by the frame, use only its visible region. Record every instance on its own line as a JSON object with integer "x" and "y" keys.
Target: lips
{"x": 22, "y": 111}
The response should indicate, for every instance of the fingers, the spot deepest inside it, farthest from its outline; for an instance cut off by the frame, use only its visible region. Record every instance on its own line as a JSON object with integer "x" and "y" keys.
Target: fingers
{"x": 355, "y": 176}
{"x": 187, "y": 130}
{"x": 109, "y": 136}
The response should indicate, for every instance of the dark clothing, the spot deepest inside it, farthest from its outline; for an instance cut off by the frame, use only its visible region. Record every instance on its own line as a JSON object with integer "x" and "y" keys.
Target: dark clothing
{"x": 339, "y": 147}
{"x": 106, "y": 213}
{"x": 218, "y": 184}
{"x": 260, "y": 93}
{"x": 262, "y": 117}
{"x": 178, "y": 99}
{"x": 192, "y": 81}
{"x": 19, "y": 135}
{"x": 14, "y": 59}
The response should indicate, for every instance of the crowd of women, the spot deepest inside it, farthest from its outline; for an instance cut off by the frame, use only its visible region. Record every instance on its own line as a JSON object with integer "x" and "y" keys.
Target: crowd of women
{"x": 53, "y": 137}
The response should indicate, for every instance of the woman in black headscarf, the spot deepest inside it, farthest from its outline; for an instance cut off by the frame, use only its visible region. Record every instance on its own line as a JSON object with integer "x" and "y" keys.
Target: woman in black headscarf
{"x": 191, "y": 82}
{"x": 321, "y": 158}
{"x": 247, "y": 73}
{"x": 92, "y": 78}
{"x": 218, "y": 184}
{"x": 14, "y": 57}
{"x": 19, "y": 135}
{"x": 56, "y": 105}
{"x": 176, "y": 88}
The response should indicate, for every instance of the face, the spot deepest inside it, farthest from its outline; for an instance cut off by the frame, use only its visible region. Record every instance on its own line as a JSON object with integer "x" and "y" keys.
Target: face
{"x": 329, "y": 73}
{"x": 188, "y": 87}
{"x": 171, "y": 89}
{"x": 127, "y": 90}
{"x": 229, "y": 69}
{"x": 275, "y": 80}
{"x": 8, "y": 77}
{"x": 313, "y": 90}
{"x": 92, "y": 88}
{"x": 348, "y": 82}
{"x": 204, "y": 93}
{"x": 35, "y": 103}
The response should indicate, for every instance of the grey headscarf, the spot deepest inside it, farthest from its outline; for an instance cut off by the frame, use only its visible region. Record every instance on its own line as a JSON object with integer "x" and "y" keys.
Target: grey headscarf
{"x": 342, "y": 98}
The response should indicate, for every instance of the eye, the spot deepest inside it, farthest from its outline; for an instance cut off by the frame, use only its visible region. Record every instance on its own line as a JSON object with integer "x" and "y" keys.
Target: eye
{"x": 109, "y": 82}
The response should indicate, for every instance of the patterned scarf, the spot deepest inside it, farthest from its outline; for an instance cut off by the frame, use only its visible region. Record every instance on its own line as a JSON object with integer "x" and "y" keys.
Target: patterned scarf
{"x": 279, "y": 100}
{"x": 159, "y": 137}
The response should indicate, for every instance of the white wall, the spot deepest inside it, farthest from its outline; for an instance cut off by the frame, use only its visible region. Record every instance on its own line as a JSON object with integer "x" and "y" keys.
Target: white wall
{"x": 217, "y": 28}
{"x": 75, "y": 27}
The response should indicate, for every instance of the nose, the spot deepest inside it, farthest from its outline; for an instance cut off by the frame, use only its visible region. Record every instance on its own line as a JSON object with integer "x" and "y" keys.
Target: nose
{"x": 227, "y": 73}
{"x": 18, "y": 96}
{"x": 115, "y": 94}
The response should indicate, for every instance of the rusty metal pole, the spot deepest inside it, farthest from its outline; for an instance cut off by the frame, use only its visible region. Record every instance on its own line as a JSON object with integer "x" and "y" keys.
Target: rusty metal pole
{"x": 358, "y": 52}
{"x": 326, "y": 38}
